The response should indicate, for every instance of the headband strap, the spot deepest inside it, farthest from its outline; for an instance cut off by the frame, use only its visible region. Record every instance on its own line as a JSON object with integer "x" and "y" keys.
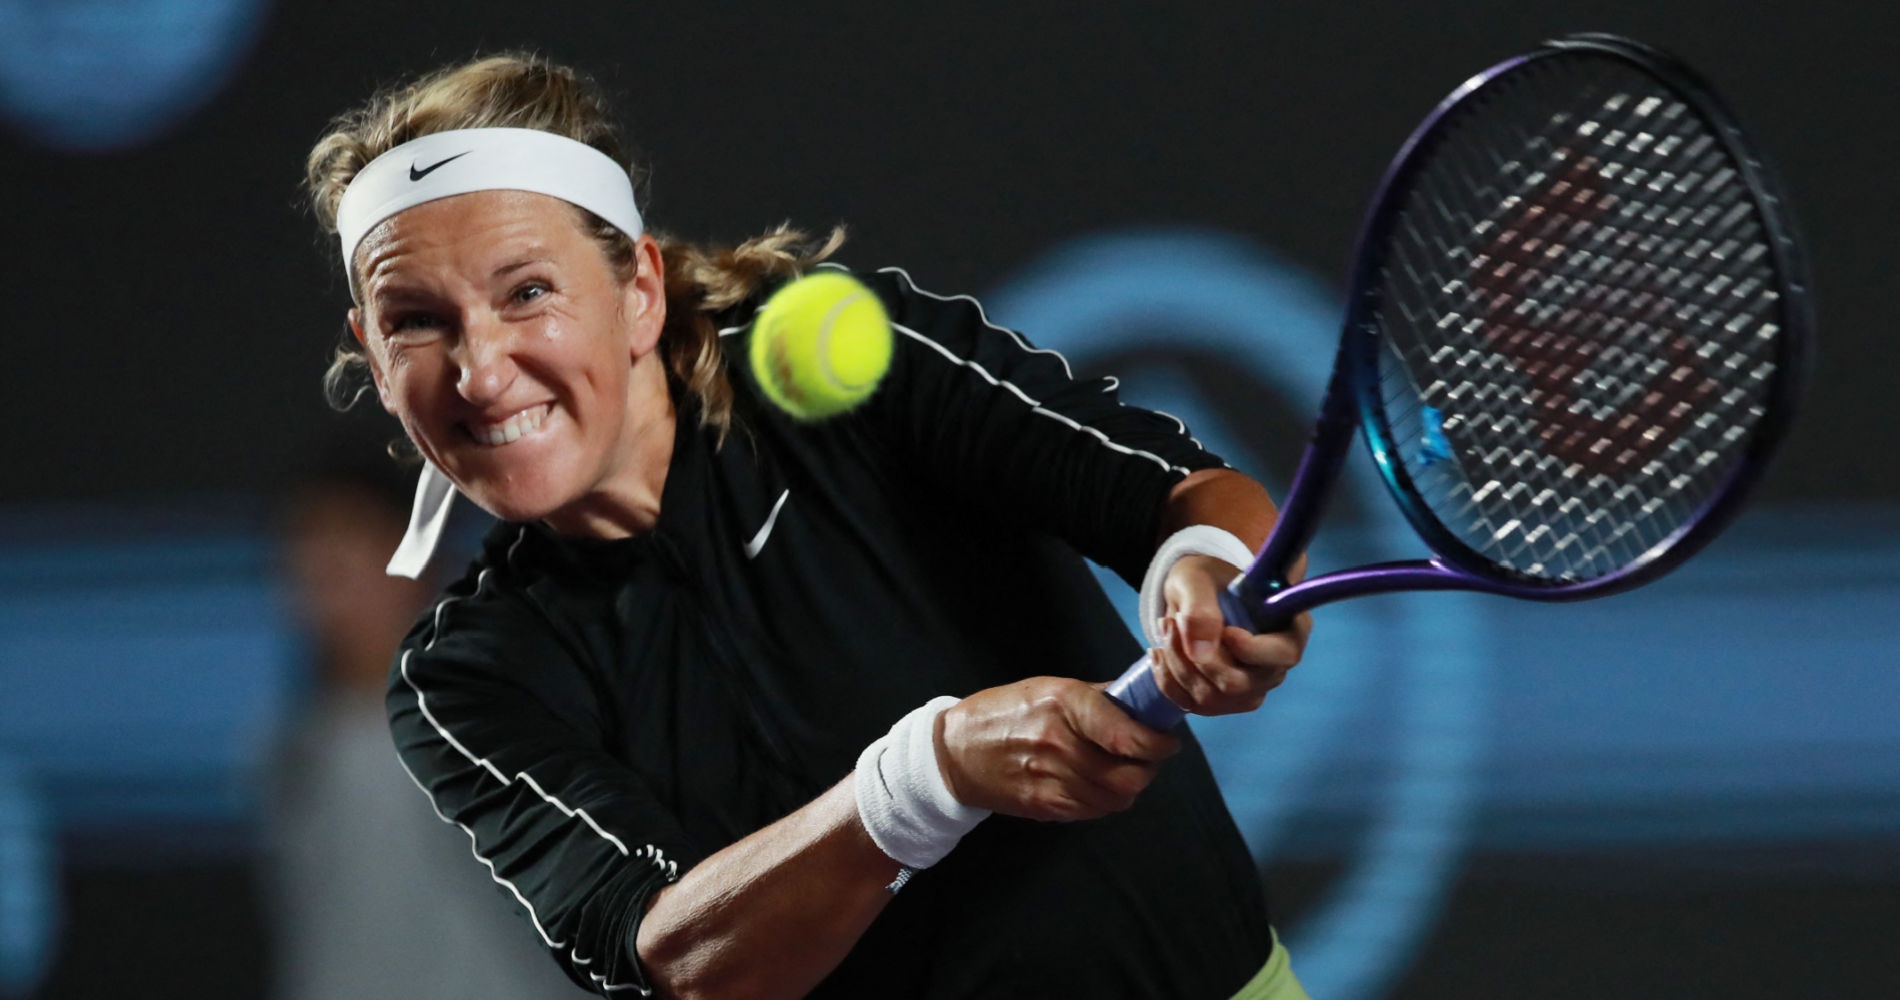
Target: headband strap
{"x": 450, "y": 163}
{"x": 442, "y": 164}
{"x": 428, "y": 519}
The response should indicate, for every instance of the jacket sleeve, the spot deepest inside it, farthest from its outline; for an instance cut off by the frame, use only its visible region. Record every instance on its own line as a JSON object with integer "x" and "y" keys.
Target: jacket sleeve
{"x": 495, "y": 721}
{"x": 1010, "y": 429}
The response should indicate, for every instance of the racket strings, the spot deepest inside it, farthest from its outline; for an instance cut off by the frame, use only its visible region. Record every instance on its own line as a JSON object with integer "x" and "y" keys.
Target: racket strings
{"x": 1574, "y": 352}
{"x": 1578, "y": 313}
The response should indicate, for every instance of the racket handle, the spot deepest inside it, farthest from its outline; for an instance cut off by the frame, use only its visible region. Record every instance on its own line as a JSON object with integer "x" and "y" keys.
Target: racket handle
{"x": 1138, "y": 695}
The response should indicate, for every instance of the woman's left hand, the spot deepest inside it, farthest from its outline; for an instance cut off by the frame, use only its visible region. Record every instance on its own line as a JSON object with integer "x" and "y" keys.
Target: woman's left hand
{"x": 1207, "y": 666}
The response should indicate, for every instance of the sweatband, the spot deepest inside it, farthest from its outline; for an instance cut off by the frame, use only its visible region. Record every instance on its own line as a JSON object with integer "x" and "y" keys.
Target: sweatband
{"x": 442, "y": 164}
{"x": 1193, "y": 540}
{"x": 902, "y": 799}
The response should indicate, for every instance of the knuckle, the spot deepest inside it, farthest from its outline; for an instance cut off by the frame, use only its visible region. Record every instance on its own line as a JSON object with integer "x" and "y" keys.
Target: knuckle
{"x": 1200, "y": 693}
{"x": 1269, "y": 651}
{"x": 1054, "y": 803}
{"x": 1043, "y": 690}
{"x": 1039, "y": 801}
{"x": 1233, "y": 683}
{"x": 1206, "y": 615}
{"x": 1046, "y": 739}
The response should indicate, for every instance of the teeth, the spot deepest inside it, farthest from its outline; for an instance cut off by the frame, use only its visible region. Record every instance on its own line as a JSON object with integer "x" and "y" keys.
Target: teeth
{"x": 525, "y": 422}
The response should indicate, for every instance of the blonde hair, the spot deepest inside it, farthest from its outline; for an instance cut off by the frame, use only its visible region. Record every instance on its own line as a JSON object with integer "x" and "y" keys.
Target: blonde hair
{"x": 525, "y": 91}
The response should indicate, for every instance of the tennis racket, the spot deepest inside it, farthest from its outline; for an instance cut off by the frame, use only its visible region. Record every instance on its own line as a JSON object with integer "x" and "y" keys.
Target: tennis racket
{"x": 1577, "y": 326}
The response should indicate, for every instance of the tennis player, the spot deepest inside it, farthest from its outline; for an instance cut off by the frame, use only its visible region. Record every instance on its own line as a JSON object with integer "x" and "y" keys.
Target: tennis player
{"x": 738, "y": 707}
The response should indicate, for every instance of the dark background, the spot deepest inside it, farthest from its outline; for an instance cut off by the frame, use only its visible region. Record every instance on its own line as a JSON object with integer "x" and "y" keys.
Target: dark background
{"x": 169, "y": 308}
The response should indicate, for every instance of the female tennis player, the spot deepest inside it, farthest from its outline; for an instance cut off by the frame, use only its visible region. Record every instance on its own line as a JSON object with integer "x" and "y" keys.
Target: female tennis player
{"x": 720, "y": 684}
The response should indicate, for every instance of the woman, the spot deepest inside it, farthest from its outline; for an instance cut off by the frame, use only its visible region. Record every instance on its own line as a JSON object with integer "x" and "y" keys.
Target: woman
{"x": 662, "y": 701}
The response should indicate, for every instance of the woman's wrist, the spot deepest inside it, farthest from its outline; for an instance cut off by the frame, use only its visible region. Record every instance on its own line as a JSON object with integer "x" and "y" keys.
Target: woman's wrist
{"x": 1193, "y": 540}
{"x": 903, "y": 800}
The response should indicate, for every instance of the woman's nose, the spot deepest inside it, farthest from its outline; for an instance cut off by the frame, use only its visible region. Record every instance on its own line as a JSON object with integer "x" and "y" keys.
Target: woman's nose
{"x": 486, "y": 361}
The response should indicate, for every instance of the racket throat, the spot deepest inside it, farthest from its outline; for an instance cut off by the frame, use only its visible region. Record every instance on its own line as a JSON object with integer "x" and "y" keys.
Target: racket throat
{"x": 1245, "y": 606}
{"x": 1272, "y": 608}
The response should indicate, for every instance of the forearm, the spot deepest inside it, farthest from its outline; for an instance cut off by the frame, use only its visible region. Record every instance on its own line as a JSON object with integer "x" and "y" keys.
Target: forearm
{"x": 1223, "y": 498}
{"x": 774, "y": 913}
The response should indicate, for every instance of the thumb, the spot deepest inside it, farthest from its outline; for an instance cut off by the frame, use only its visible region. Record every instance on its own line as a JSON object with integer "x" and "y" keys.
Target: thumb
{"x": 1198, "y": 620}
{"x": 1103, "y": 723}
{"x": 1200, "y": 631}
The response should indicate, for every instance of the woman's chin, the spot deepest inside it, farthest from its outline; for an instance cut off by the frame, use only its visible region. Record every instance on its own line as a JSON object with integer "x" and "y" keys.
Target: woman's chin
{"x": 515, "y": 500}
{"x": 515, "y": 484}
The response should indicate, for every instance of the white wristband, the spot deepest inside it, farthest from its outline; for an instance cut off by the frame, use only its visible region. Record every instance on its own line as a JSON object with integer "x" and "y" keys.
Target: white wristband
{"x": 902, "y": 799}
{"x": 1193, "y": 540}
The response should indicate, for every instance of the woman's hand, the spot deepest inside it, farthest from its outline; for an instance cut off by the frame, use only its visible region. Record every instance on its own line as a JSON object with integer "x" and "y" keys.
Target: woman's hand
{"x": 1047, "y": 748}
{"x": 1207, "y": 666}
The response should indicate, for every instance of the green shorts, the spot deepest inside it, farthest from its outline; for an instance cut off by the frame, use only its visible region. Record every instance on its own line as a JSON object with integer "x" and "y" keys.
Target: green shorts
{"x": 1275, "y": 980}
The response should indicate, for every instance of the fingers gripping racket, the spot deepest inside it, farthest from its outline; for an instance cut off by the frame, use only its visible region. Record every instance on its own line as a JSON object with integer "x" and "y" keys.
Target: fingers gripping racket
{"x": 1577, "y": 327}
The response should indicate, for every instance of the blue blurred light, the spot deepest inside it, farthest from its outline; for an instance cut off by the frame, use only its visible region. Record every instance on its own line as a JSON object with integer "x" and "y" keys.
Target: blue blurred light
{"x": 144, "y": 680}
{"x": 29, "y": 900}
{"x": 99, "y": 75}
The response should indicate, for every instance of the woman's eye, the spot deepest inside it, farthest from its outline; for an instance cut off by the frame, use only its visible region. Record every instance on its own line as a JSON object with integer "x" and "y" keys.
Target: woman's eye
{"x": 415, "y": 323}
{"x": 530, "y": 292}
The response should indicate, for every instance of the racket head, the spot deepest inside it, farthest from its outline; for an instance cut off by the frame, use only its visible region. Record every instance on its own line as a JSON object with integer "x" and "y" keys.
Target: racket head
{"x": 1580, "y": 321}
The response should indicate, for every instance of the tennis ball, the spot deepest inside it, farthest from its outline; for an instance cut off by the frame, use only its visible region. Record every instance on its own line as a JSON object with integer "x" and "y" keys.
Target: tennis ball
{"x": 820, "y": 345}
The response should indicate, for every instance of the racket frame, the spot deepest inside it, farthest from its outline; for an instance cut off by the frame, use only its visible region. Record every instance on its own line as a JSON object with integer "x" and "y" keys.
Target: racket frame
{"x": 1262, "y": 599}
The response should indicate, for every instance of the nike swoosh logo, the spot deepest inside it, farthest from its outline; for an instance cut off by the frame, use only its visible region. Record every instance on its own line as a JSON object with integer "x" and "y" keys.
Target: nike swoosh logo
{"x": 416, "y": 175}
{"x": 757, "y": 544}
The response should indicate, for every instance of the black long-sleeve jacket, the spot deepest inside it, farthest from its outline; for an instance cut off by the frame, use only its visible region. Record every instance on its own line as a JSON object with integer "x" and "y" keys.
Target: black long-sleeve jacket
{"x": 600, "y": 716}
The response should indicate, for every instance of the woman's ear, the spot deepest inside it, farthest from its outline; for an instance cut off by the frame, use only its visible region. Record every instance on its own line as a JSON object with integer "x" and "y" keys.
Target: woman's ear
{"x": 643, "y": 300}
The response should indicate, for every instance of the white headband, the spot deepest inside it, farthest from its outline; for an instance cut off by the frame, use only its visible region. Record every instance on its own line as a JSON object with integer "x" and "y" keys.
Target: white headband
{"x": 483, "y": 159}
{"x": 451, "y": 163}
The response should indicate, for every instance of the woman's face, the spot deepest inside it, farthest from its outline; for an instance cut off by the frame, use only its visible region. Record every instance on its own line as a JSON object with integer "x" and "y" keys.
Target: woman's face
{"x": 517, "y": 360}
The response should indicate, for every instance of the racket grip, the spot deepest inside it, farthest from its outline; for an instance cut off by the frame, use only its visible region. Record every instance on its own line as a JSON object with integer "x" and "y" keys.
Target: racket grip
{"x": 1138, "y": 695}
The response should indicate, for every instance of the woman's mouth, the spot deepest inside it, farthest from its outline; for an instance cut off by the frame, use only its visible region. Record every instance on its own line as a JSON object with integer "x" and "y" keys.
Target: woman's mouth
{"x": 497, "y": 433}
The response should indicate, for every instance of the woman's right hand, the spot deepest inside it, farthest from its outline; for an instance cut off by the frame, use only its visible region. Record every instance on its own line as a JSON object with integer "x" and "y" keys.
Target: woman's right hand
{"x": 1047, "y": 748}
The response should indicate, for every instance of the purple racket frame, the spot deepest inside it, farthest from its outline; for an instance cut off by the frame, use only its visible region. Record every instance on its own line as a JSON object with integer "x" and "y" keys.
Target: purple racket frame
{"x": 1261, "y": 599}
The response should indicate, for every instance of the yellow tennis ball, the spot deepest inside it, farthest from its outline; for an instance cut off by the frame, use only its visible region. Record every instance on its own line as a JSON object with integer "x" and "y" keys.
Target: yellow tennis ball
{"x": 820, "y": 345}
